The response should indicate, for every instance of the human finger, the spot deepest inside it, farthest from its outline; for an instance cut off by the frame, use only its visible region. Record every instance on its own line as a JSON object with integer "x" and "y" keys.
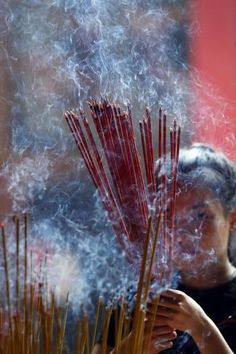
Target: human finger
{"x": 162, "y": 329}
{"x": 161, "y": 338}
{"x": 169, "y": 302}
{"x": 157, "y": 348}
{"x": 175, "y": 295}
{"x": 164, "y": 302}
{"x": 166, "y": 311}
{"x": 164, "y": 321}
{"x": 159, "y": 330}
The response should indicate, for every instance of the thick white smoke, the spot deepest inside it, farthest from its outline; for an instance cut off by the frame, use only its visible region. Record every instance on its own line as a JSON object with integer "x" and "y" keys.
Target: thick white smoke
{"x": 55, "y": 55}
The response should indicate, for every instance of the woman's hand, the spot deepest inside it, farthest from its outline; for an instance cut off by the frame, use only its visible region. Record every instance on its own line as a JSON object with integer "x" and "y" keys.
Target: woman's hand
{"x": 178, "y": 310}
{"x": 162, "y": 338}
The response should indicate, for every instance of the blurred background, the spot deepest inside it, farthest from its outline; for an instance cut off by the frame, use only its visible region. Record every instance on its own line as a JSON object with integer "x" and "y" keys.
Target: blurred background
{"x": 57, "y": 54}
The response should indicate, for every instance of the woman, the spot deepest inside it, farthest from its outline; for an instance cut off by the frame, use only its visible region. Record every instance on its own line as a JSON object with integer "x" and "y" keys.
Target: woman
{"x": 200, "y": 317}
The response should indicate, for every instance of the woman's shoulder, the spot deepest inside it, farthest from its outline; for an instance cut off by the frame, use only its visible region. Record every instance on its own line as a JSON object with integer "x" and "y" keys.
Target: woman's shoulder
{"x": 225, "y": 289}
{"x": 218, "y": 302}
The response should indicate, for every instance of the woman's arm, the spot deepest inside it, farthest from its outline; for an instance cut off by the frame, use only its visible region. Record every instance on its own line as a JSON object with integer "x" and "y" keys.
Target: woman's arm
{"x": 181, "y": 312}
{"x": 213, "y": 341}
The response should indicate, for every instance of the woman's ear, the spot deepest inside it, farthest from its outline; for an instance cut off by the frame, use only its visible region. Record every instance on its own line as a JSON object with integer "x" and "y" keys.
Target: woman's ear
{"x": 233, "y": 222}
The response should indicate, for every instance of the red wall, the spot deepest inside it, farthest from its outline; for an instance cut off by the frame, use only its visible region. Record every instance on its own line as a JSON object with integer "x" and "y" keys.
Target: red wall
{"x": 213, "y": 54}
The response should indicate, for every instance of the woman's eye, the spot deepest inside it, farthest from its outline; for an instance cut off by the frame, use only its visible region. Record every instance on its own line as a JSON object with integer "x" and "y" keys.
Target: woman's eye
{"x": 201, "y": 215}
{"x": 206, "y": 217}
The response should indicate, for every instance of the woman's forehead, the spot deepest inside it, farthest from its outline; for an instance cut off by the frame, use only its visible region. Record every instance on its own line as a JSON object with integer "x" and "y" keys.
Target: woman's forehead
{"x": 195, "y": 196}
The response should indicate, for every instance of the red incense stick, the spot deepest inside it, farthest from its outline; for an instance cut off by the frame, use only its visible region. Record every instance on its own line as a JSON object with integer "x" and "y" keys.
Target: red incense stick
{"x": 129, "y": 195}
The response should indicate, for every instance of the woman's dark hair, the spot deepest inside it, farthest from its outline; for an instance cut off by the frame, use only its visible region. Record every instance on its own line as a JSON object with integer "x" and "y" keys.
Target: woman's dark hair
{"x": 208, "y": 167}
{"x": 203, "y": 166}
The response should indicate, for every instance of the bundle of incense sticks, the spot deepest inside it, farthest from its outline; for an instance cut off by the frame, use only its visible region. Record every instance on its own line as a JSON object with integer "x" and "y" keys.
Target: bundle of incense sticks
{"x": 128, "y": 193}
{"x": 32, "y": 323}
{"x": 132, "y": 333}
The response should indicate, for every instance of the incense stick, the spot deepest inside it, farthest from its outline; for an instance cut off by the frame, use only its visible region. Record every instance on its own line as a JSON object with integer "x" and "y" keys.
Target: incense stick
{"x": 137, "y": 315}
{"x": 16, "y": 220}
{"x": 4, "y": 245}
{"x": 106, "y": 329}
{"x": 100, "y": 305}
